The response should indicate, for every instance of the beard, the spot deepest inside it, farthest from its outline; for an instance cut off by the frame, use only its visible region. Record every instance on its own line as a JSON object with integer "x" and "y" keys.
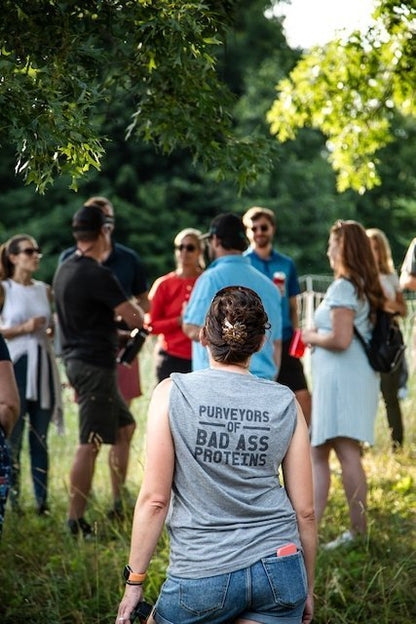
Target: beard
{"x": 263, "y": 242}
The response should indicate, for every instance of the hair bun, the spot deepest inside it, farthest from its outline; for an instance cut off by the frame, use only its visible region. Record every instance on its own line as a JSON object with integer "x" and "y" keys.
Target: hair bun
{"x": 234, "y": 333}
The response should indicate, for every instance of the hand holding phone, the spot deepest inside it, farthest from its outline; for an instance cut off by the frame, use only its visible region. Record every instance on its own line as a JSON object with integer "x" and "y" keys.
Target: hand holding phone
{"x": 141, "y": 612}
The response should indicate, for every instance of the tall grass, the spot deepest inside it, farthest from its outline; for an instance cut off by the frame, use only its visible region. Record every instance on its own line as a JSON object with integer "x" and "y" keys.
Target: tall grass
{"x": 47, "y": 576}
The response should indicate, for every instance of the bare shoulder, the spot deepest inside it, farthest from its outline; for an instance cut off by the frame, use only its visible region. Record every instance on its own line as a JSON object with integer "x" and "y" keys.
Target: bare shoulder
{"x": 162, "y": 390}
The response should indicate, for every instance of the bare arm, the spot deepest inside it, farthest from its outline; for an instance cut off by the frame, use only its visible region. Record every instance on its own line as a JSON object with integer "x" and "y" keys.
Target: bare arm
{"x": 297, "y": 474}
{"x": 131, "y": 313}
{"x": 192, "y": 331}
{"x": 153, "y": 501}
{"x": 407, "y": 281}
{"x": 9, "y": 397}
{"x": 143, "y": 301}
{"x": 339, "y": 338}
{"x": 398, "y": 306}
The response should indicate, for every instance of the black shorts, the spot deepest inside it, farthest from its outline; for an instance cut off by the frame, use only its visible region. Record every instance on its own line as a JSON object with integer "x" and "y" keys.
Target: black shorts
{"x": 167, "y": 364}
{"x": 102, "y": 409}
{"x": 291, "y": 370}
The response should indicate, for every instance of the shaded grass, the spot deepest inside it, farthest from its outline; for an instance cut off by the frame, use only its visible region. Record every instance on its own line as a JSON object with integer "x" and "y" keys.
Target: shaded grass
{"x": 45, "y": 575}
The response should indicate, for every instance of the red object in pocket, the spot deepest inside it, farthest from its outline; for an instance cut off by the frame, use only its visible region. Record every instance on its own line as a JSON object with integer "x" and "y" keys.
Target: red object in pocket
{"x": 297, "y": 346}
{"x": 288, "y": 549}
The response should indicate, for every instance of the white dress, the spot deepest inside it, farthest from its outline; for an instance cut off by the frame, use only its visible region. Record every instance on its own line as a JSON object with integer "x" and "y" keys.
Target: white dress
{"x": 345, "y": 387}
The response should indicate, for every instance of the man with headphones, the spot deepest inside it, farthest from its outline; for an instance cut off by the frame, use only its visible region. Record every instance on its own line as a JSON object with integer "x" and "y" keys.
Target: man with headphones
{"x": 88, "y": 299}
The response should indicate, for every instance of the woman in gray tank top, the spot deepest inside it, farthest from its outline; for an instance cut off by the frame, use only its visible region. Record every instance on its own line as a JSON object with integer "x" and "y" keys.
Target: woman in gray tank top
{"x": 242, "y": 544}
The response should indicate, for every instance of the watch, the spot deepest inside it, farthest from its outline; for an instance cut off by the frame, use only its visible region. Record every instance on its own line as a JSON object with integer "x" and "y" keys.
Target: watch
{"x": 133, "y": 578}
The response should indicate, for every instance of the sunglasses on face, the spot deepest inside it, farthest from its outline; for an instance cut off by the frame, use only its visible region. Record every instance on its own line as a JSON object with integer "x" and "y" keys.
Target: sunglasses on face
{"x": 188, "y": 247}
{"x": 30, "y": 251}
{"x": 262, "y": 228}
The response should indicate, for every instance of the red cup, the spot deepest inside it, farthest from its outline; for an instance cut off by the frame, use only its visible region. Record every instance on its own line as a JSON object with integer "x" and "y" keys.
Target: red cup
{"x": 297, "y": 346}
{"x": 279, "y": 279}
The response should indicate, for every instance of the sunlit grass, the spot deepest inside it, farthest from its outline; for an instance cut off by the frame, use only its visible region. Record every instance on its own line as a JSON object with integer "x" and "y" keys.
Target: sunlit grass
{"x": 46, "y": 576}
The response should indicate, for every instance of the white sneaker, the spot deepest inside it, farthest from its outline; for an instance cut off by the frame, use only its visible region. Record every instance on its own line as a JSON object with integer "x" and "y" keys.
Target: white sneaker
{"x": 343, "y": 539}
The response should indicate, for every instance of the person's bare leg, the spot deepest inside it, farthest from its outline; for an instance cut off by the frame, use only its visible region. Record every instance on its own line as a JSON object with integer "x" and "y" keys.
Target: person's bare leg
{"x": 321, "y": 477}
{"x": 118, "y": 459}
{"x": 81, "y": 475}
{"x": 354, "y": 480}
{"x": 304, "y": 399}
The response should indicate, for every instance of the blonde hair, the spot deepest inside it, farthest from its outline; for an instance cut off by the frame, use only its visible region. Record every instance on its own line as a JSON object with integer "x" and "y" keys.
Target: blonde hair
{"x": 385, "y": 260}
{"x": 195, "y": 234}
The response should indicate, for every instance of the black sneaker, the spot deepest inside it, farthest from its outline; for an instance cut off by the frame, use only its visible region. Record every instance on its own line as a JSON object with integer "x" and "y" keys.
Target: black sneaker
{"x": 117, "y": 513}
{"x": 79, "y": 526}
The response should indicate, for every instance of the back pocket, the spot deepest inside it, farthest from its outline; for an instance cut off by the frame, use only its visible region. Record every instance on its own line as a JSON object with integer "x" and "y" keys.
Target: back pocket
{"x": 287, "y": 578}
{"x": 205, "y": 595}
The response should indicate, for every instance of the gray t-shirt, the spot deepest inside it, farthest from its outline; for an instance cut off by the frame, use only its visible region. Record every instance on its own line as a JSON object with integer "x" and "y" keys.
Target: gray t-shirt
{"x": 228, "y": 507}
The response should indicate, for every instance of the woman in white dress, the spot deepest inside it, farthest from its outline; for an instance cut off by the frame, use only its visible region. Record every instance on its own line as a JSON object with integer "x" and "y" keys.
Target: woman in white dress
{"x": 345, "y": 387}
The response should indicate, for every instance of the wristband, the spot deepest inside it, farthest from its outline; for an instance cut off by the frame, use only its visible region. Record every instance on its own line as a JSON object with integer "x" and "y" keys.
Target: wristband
{"x": 133, "y": 578}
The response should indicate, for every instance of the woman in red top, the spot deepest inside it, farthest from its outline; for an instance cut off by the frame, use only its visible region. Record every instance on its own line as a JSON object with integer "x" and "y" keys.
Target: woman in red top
{"x": 168, "y": 298}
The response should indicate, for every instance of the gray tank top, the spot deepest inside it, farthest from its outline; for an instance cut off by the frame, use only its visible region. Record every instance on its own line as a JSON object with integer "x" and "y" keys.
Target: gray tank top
{"x": 228, "y": 506}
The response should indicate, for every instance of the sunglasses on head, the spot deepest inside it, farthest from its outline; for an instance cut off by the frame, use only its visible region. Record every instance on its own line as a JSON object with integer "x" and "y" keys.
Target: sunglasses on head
{"x": 190, "y": 247}
{"x": 30, "y": 251}
{"x": 262, "y": 228}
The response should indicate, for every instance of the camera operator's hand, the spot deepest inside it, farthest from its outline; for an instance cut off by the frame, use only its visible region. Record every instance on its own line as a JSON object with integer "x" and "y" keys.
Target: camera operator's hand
{"x": 132, "y": 595}
{"x": 122, "y": 337}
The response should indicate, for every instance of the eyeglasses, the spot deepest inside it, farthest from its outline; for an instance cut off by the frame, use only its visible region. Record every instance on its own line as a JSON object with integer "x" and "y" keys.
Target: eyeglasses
{"x": 188, "y": 247}
{"x": 30, "y": 251}
{"x": 262, "y": 228}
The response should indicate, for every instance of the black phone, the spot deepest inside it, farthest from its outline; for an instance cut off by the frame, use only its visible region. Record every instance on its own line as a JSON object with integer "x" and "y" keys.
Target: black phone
{"x": 141, "y": 612}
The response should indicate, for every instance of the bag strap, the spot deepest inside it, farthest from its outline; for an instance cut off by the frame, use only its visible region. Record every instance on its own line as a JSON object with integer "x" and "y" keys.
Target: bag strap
{"x": 360, "y": 338}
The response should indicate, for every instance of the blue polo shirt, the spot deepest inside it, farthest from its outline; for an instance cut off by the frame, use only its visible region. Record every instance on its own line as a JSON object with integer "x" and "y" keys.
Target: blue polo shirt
{"x": 284, "y": 264}
{"x": 236, "y": 270}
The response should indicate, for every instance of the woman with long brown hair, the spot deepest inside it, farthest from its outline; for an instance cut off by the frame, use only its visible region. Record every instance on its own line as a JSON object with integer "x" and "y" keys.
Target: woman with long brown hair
{"x": 345, "y": 387}
{"x": 396, "y": 304}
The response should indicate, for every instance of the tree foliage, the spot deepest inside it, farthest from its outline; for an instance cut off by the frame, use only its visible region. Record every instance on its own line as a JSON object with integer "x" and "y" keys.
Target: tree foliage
{"x": 155, "y": 195}
{"x": 352, "y": 90}
{"x": 60, "y": 59}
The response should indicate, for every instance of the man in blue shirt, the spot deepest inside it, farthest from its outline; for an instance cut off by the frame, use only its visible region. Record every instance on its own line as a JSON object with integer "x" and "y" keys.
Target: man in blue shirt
{"x": 227, "y": 241}
{"x": 260, "y": 226}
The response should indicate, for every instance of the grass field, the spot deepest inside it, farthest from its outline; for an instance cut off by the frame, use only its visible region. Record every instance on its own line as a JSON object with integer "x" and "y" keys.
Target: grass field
{"x": 46, "y": 576}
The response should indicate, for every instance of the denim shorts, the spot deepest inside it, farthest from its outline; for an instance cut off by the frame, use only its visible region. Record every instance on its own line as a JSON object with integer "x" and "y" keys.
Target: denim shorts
{"x": 271, "y": 591}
